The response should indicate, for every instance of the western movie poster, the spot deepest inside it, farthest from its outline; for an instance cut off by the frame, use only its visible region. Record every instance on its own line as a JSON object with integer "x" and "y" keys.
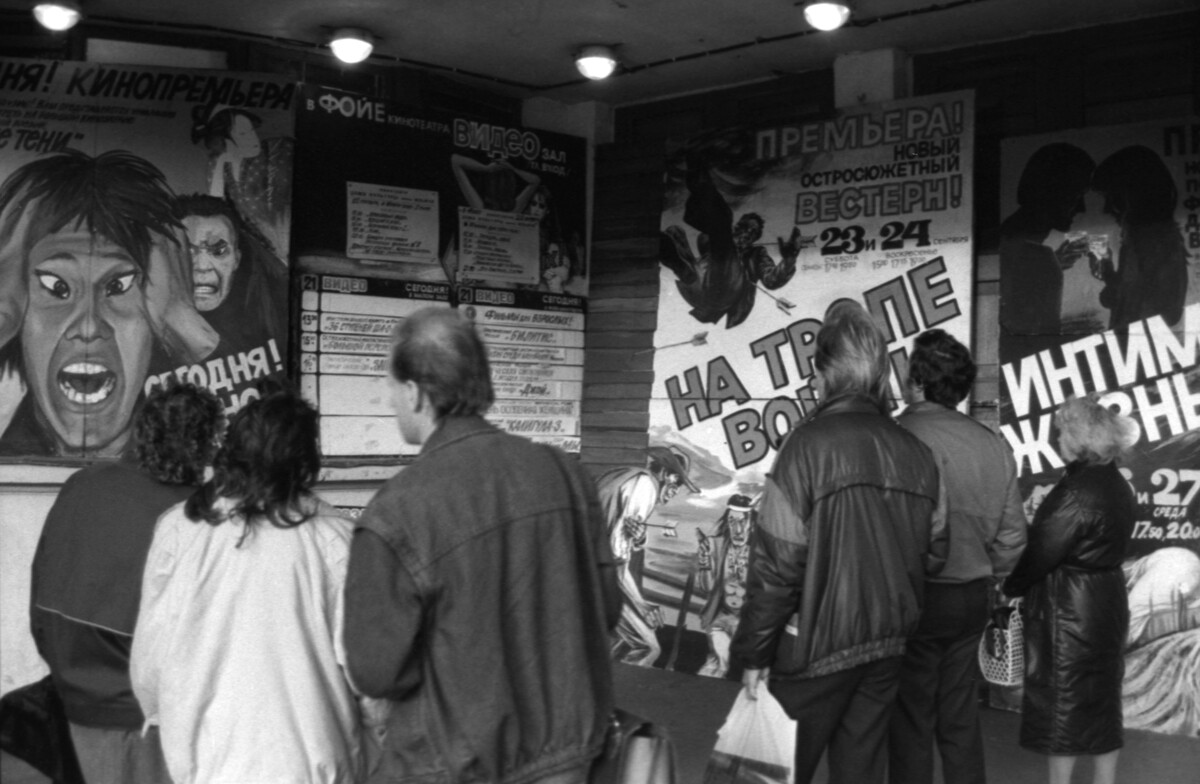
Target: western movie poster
{"x": 144, "y": 222}
{"x": 763, "y": 229}
{"x": 1099, "y": 273}
{"x": 397, "y": 210}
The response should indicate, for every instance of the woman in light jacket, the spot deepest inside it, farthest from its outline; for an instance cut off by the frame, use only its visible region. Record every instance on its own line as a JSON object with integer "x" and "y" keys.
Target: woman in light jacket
{"x": 238, "y": 655}
{"x": 1076, "y": 610}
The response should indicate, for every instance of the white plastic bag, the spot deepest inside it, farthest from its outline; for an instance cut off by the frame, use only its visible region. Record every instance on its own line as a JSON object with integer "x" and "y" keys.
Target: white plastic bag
{"x": 756, "y": 745}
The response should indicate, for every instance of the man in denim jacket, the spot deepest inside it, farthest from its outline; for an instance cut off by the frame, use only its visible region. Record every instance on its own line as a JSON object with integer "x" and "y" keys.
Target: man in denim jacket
{"x": 481, "y": 587}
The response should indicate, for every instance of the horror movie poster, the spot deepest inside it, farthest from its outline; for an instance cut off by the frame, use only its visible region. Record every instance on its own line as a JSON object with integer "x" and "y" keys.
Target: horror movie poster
{"x": 1099, "y": 266}
{"x": 144, "y": 223}
{"x": 762, "y": 229}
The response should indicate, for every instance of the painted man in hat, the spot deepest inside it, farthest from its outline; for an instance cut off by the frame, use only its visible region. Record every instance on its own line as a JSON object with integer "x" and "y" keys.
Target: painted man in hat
{"x": 628, "y": 497}
{"x": 721, "y": 561}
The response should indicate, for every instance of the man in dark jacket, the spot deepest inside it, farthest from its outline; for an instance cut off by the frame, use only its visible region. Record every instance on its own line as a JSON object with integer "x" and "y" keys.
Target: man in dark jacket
{"x": 849, "y": 525}
{"x": 481, "y": 587}
{"x": 87, "y": 579}
{"x": 986, "y": 523}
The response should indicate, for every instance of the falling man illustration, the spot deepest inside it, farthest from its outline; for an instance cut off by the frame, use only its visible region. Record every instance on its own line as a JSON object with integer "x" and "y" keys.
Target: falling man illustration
{"x": 722, "y": 279}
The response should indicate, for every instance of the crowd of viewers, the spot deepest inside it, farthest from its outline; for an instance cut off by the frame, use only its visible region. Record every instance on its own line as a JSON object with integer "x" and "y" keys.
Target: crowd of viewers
{"x": 236, "y": 628}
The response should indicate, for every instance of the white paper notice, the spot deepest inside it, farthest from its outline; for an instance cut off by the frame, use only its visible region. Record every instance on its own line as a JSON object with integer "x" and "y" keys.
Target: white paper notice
{"x": 497, "y": 246}
{"x": 390, "y": 223}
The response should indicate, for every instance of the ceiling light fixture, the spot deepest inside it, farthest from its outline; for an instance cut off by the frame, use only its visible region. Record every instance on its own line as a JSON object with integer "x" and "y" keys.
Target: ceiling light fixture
{"x": 596, "y": 61}
{"x": 825, "y": 15}
{"x": 59, "y": 15}
{"x": 351, "y": 44}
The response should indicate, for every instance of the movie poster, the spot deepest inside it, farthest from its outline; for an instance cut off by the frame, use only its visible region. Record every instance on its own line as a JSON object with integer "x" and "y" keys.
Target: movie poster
{"x": 491, "y": 218}
{"x": 1100, "y": 293}
{"x": 763, "y": 229}
{"x": 144, "y": 224}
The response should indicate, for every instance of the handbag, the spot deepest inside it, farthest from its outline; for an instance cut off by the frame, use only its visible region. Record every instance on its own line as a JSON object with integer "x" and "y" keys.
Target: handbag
{"x": 636, "y": 751}
{"x": 1002, "y": 646}
{"x": 34, "y": 728}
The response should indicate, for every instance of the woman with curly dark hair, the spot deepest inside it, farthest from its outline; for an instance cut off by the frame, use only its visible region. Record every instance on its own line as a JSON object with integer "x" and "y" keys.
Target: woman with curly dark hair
{"x": 87, "y": 577}
{"x": 177, "y": 432}
{"x": 239, "y": 658}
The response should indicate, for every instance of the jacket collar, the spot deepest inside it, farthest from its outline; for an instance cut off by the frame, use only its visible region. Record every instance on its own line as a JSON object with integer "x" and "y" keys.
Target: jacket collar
{"x": 926, "y": 407}
{"x": 455, "y": 428}
{"x": 848, "y": 403}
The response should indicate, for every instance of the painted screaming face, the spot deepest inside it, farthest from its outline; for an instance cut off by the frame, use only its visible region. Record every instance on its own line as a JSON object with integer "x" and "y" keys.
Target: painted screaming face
{"x": 213, "y": 245}
{"x": 86, "y": 339}
{"x": 243, "y": 138}
{"x": 746, "y": 232}
{"x": 739, "y": 526}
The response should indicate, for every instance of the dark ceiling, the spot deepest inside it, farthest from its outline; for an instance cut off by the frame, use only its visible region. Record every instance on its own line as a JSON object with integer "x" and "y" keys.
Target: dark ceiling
{"x": 523, "y": 48}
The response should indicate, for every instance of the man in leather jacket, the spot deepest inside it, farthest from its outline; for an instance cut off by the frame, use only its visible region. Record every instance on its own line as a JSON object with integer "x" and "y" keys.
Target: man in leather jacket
{"x": 481, "y": 587}
{"x": 849, "y": 524}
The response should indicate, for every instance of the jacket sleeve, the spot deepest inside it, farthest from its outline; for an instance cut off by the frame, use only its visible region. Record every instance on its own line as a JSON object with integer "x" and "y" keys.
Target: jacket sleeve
{"x": 382, "y": 620}
{"x": 1051, "y": 538}
{"x": 778, "y": 562}
{"x": 1011, "y": 535}
{"x": 939, "y": 532}
{"x": 154, "y": 631}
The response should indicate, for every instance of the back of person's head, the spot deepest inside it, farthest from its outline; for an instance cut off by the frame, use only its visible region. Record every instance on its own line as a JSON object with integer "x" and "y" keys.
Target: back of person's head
{"x": 176, "y": 432}
{"x": 941, "y": 367}
{"x": 1091, "y": 433}
{"x": 851, "y": 353}
{"x": 439, "y": 350}
{"x": 1054, "y": 170}
{"x": 267, "y": 464}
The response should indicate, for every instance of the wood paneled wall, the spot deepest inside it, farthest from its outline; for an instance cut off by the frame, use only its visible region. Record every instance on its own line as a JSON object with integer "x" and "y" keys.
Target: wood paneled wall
{"x": 1096, "y": 76}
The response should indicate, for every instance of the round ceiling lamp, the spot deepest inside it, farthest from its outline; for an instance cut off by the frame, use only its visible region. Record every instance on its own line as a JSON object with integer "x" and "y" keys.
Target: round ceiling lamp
{"x": 351, "y": 44}
{"x": 58, "y": 16}
{"x": 596, "y": 61}
{"x": 825, "y": 15}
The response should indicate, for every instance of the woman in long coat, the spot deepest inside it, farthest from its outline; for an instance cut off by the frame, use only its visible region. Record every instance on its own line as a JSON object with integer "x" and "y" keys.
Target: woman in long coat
{"x": 1076, "y": 609}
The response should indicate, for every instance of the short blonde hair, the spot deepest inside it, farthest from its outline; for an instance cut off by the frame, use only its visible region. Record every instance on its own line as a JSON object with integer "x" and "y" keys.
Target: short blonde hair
{"x": 851, "y": 352}
{"x": 1092, "y": 433}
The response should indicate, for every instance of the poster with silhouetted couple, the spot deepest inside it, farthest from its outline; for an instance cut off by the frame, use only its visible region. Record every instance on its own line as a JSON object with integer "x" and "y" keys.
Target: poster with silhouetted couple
{"x": 1100, "y": 293}
{"x": 144, "y": 226}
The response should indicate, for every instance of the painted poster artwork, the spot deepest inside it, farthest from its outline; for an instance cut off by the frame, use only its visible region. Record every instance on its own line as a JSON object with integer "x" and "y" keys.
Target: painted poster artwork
{"x": 762, "y": 230}
{"x": 440, "y": 197}
{"x": 1100, "y": 293}
{"x": 144, "y": 221}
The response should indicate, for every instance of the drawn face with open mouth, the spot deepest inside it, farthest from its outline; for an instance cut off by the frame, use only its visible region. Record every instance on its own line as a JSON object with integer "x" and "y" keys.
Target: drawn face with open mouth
{"x": 86, "y": 339}
{"x": 213, "y": 245}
